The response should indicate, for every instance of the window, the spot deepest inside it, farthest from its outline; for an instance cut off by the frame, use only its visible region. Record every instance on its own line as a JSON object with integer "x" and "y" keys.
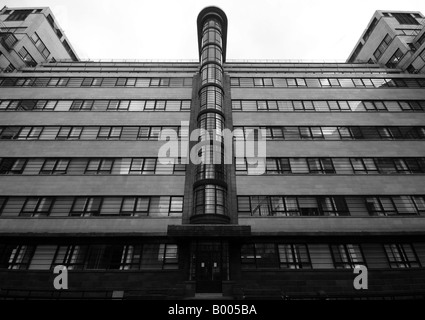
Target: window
{"x": 347, "y": 256}
{"x": 176, "y": 206}
{"x": 86, "y": 206}
{"x": 135, "y": 206}
{"x": 16, "y": 256}
{"x": 382, "y": 47}
{"x": 326, "y": 106}
{"x": 405, "y": 18}
{"x": 40, "y": 45}
{"x": 395, "y": 59}
{"x": 37, "y": 206}
{"x": 380, "y": 206}
{"x": 26, "y": 57}
{"x": 294, "y": 256}
{"x": 118, "y": 257}
{"x": 275, "y": 256}
{"x": 421, "y": 41}
{"x": 72, "y": 256}
{"x": 81, "y": 105}
{"x": 333, "y": 206}
{"x": 363, "y": 165}
{"x": 259, "y": 255}
{"x": 9, "y": 68}
{"x": 401, "y": 256}
{"x": 3, "y": 201}
{"x": 143, "y": 166}
{"x": 30, "y": 133}
{"x": 103, "y": 257}
{"x": 131, "y": 257}
{"x": 55, "y": 166}
{"x": 109, "y": 133}
{"x": 66, "y": 133}
{"x": 395, "y": 205}
{"x": 370, "y": 29}
{"x": 320, "y": 165}
{"x": 12, "y": 165}
{"x": 159, "y": 256}
{"x": 210, "y": 199}
{"x": 67, "y": 47}
{"x": 99, "y": 166}
{"x": 18, "y": 15}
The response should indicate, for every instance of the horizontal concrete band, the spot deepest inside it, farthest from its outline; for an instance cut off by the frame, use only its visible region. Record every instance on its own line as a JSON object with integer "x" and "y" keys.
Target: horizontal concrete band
{"x": 330, "y": 185}
{"x": 287, "y": 226}
{"x": 328, "y": 93}
{"x": 317, "y": 226}
{"x": 86, "y": 227}
{"x": 140, "y": 185}
{"x": 106, "y": 148}
{"x": 93, "y": 118}
{"x": 124, "y": 93}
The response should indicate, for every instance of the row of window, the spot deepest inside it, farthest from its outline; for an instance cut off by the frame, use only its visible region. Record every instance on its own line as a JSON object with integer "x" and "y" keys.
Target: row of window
{"x": 94, "y": 82}
{"x": 26, "y": 57}
{"x": 339, "y": 256}
{"x": 245, "y": 133}
{"x": 338, "y": 165}
{"x": 209, "y": 101}
{"x": 134, "y": 256}
{"x": 134, "y": 206}
{"x": 327, "y": 82}
{"x": 331, "y": 133}
{"x": 382, "y": 47}
{"x": 163, "y": 256}
{"x": 39, "y": 44}
{"x": 95, "y": 105}
{"x": 90, "y": 166}
{"x": 327, "y": 105}
{"x": 281, "y": 206}
{"x": 85, "y": 133}
{"x": 18, "y": 15}
{"x": 395, "y": 59}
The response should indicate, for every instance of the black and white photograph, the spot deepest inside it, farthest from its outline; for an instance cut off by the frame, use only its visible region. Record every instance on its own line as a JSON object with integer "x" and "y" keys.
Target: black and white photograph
{"x": 212, "y": 158}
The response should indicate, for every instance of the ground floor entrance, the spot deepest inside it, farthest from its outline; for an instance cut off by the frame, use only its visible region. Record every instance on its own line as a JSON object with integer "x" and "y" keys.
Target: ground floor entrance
{"x": 209, "y": 265}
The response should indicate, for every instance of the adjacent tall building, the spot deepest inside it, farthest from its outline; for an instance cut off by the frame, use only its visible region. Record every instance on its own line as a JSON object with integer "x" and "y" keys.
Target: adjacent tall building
{"x": 395, "y": 39}
{"x": 81, "y": 184}
{"x": 29, "y": 36}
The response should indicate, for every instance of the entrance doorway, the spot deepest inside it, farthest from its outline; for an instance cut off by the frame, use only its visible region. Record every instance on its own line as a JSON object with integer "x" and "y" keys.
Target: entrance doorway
{"x": 209, "y": 265}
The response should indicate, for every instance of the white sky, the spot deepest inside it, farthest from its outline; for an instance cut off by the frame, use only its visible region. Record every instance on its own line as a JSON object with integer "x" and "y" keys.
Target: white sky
{"x": 262, "y": 29}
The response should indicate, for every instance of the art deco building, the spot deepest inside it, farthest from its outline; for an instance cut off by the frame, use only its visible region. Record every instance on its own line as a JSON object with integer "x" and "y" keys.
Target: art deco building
{"x": 394, "y": 39}
{"x": 81, "y": 184}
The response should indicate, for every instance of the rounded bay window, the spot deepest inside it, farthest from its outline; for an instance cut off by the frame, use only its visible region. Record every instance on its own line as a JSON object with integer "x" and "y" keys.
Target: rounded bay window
{"x": 212, "y": 73}
{"x": 210, "y": 199}
{"x": 212, "y": 53}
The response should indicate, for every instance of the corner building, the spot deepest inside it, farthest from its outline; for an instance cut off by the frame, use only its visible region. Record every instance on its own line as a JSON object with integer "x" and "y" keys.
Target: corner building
{"x": 81, "y": 184}
{"x": 29, "y": 36}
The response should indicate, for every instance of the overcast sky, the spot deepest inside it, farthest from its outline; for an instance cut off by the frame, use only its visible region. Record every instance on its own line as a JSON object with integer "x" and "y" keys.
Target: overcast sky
{"x": 262, "y": 29}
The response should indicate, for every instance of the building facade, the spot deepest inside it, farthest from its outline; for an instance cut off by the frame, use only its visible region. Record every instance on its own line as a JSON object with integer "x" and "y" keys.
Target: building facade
{"x": 395, "y": 39}
{"x": 82, "y": 184}
{"x": 29, "y": 36}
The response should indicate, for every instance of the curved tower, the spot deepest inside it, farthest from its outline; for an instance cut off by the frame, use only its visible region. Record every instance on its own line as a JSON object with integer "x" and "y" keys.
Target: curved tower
{"x": 210, "y": 205}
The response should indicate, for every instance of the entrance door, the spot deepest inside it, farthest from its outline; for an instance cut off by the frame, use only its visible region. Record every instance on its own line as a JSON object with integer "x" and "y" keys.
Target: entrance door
{"x": 208, "y": 267}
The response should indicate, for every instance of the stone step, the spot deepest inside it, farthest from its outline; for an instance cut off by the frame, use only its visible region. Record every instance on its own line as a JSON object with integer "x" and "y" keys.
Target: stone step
{"x": 209, "y": 296}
